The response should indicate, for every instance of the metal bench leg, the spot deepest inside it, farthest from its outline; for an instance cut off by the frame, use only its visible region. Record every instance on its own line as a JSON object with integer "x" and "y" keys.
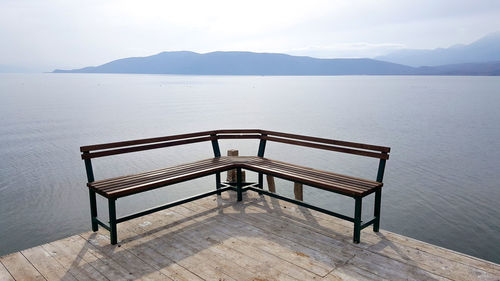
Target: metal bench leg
{"x": 112, "y": 220}
{"x": 217, "y": 183}
{"x": 93, "y": 210}
{"x": 357, "y": 220}
{"x": 376, "y": 210}
{"x": 239, "y": 184}
{"x": 261, "y": 182}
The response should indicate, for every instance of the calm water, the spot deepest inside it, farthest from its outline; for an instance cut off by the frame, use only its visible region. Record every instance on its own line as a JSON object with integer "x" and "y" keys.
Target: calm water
{"x": 442, "y": 183}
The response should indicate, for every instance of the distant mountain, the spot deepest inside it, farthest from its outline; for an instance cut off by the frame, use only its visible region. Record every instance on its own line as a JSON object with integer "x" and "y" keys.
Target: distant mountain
{"x": 486, "y": 49}
{"x": 247, "y": 63}
{"x": 244, "y": 63}
{"x": 484, "y": 69}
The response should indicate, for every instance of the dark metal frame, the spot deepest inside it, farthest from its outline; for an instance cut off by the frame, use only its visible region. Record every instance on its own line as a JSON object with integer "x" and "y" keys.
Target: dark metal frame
{"x": 239, "y": 186}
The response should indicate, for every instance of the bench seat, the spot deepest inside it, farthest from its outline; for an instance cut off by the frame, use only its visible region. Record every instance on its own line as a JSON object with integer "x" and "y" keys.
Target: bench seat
{"x": 347, "y": 185}
{"x": 131, "y": 184}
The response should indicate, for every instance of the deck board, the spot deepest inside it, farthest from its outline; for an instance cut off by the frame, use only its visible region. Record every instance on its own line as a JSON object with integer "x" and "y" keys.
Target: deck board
{"x": 261, "y": 238}
{"x": 4, "y": 273}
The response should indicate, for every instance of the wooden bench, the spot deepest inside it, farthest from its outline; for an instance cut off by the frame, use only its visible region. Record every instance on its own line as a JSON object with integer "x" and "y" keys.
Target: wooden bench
{"x": 115, "y": 188}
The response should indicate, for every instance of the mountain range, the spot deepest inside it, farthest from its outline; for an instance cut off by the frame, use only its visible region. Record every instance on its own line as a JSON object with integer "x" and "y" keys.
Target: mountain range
{"x": 481, "y": 57}
{"x": 244, "y": 63}
{"x": 486, "y": 49}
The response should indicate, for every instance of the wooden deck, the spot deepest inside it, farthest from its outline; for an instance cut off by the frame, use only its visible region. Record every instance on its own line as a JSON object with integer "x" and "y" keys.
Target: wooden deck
{"x": 257, "y": 239}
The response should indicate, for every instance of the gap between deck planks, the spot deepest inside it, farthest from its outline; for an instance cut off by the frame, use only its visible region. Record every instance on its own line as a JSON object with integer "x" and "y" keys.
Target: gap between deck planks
{"x": 258, "y": 239}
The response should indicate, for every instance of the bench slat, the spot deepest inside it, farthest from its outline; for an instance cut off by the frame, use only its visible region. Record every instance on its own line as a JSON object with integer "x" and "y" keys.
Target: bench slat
{"x": 329, "y": 141}
{"x": 157, "y": 173}
{"x": 114, "y": 188}
{"x": 126, "y": 185}
{"x": 143, "y": 141}
{"x": 142, "y": 147}
{"x": 329, "y": 147}
{"x": 320, "y": 173}
{"x": 122, "y": 185}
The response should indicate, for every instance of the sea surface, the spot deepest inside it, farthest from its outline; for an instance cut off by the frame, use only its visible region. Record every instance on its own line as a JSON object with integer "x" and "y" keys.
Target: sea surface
{"x": 442, "y": 181}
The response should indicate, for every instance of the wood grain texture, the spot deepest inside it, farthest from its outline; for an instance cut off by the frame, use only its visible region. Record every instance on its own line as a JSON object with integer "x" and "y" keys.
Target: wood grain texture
{"x": 260, "y": 238}
{"x": 47, "y": 265}
{"x": 298, "y": 191}
{"x": 270, "y": 183}
{"x": 4, "y": 274}
{"x": 20, "y": 268}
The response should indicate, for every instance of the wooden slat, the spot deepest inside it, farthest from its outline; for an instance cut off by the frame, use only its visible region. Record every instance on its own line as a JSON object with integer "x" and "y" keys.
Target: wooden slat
{"x": 233, "y": 131}
{"x": 143, "y": 141}
{"x": 160, "y": 173}
{"x": 238, "y": 131}
{"x": 329, "y": 147}
{"x": 239, "y": 248}
{"x": 121, "y": 186}
{"x": 166, "y": 242}
{"x": 223, "y": 137}
{"x": 160, "y": 183}
{"x": 329, "y": 141}
{"x": 428, "y": 257}
{"x": 135, "y": 267}
{"x": 348, "y": 190}
{"x": 47, "y": 265}
{"x": 315, "y": 172}
{"x": 231, "y": 231}
{"x": 215, "y": 232}
{"x": 306, "y": 234}
{"x": 142, "y": 147}
{"x": 260, "y": 238}
{"x": 20, "y": 268}
{"x": 72, "y": 254}
{"x": 4, "y": 273}
{"x": 322, "y": 178}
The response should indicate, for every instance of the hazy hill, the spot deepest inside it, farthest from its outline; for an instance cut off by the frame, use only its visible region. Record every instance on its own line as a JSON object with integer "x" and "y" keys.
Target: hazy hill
{"x": 486, "y": 49}
{"x": 247, "y": 63}
{"x": 244, "y": 63}
{"x": 485, "y": 69}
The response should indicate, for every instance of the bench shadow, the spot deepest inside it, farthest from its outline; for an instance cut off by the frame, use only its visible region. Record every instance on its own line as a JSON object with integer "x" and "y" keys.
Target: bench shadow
{"x": 201, "y": 242}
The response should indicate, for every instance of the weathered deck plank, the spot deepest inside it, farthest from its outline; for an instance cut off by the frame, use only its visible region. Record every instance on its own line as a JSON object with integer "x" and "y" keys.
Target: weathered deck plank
{"x": 434, "y": 259}
{"x": 46, "y": 264}
{"x": 4, "y": 274}
{"x": 325, "y": 244}
{"x": 20, "y": 268}
{"x": 261, "y": 238}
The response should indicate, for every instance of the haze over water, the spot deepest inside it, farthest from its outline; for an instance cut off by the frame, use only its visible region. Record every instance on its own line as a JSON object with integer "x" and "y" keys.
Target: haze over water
{"x": 441, "y": 185}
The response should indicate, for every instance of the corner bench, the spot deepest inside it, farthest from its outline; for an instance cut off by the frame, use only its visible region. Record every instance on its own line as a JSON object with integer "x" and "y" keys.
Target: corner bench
{"x": 115, "y": 188}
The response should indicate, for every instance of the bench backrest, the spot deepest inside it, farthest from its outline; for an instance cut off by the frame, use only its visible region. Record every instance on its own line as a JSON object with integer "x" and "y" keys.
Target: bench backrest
{"x": 107, "y": 149}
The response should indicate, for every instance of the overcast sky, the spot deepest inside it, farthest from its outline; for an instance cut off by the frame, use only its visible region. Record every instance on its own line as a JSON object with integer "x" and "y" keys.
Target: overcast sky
{"x": 48, "y": 34}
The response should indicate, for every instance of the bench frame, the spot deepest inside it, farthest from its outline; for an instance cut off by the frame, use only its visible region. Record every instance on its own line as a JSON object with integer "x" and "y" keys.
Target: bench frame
{"x": 101, "y": 150}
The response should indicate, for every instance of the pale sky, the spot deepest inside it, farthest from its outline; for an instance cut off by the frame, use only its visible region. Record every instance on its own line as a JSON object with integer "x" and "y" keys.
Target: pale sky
{"x": 48, "y": 34}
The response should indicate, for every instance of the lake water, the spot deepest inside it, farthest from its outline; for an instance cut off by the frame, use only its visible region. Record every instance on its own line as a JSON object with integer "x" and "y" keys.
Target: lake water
{"x": 442, "y": 182}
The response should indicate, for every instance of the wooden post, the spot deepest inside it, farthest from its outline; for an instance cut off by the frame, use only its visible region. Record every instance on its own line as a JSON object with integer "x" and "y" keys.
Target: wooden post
{"x": 270, "y": 183}
{"x": 231, "y": 174}
{"x": 298, "y": 191}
